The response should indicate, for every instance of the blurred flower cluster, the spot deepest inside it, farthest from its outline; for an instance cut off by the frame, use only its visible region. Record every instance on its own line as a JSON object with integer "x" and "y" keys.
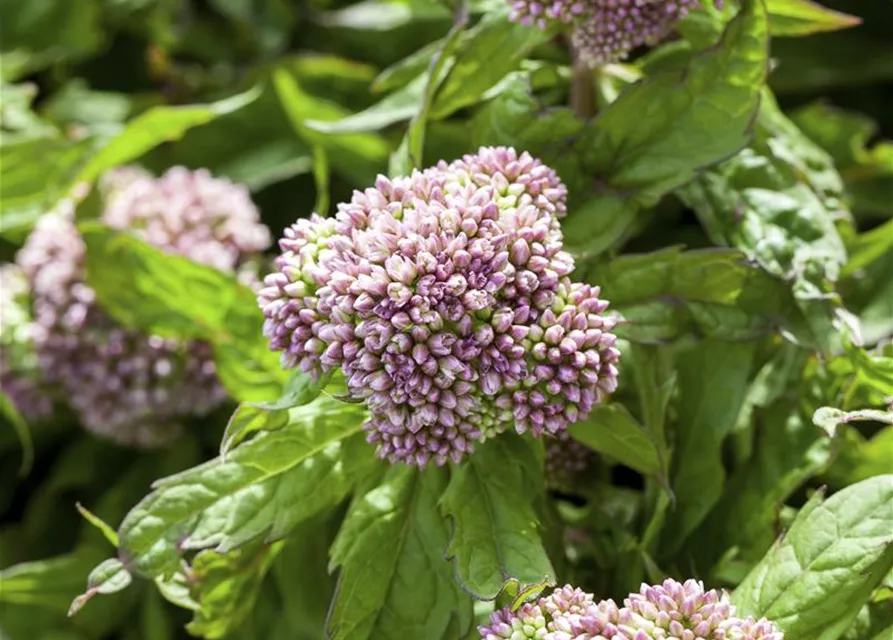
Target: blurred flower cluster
{"x": 671, "y": 610}
{"x": 604, "y": 31}
{"x": 445, "y": 299}
{"x": 123, "y": 384}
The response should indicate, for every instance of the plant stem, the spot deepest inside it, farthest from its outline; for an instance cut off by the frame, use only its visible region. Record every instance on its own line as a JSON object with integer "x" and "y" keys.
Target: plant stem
{"x": 582, "y": 91}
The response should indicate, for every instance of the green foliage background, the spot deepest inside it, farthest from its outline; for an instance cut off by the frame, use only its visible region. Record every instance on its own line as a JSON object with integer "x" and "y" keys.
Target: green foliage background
{"x": 731, "y": 192}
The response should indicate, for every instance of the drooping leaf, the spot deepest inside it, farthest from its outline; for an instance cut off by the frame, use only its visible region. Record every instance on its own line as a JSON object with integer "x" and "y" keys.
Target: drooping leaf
{"x": 611, "y": 429}
{"x": 495, "y": 537}
{"x": 788, "y": 450}
{"x": 157, "y": 125}
{"x": 262, "y": 488}
{"x": 143, "y": 287}
{"x": 394, "y": 580}
{"x": 814, "y": 582}
{"x": 712, "y": 387}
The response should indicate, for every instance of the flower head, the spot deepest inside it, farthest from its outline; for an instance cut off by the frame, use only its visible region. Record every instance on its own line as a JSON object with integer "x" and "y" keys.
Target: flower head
{"x": 605, "y": 31}
{"x": 668, "y": 610}
{"x": 431, "y": 294}
{"x": 123, "y": 384}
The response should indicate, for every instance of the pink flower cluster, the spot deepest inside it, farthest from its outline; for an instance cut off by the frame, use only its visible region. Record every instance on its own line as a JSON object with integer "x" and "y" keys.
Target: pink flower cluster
{"x": 444, "y": 297}
{"x": 123, "y": 384}
{"x": 666, "y": 611}
{"x": 605, "y": 31}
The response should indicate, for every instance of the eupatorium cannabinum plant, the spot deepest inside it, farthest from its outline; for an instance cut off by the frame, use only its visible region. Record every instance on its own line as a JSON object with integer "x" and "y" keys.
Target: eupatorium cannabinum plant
{"x": 445, "y": 298}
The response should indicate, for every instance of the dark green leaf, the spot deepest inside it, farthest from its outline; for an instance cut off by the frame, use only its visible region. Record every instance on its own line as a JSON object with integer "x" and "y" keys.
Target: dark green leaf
{"x": 12, "y": 416}
{"x": 262, "y": 488}
{"x": 495, "y": 537}
{"x": 395, "y": 582}
{"x": 712, "y": 388}
{"x": 861, "y": 458}
{"x": 611, "y": 429}
{"x": 663, "y": 129}
{"x": 813, "y": 583}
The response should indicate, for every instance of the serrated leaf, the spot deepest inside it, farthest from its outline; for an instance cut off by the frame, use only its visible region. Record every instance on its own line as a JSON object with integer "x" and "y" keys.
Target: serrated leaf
{"x": 110, "y": 576}
{"x": 813, "y": 583}
{"x": 663, "y": 129}
{"x": 394, "y": 580}
{"x": 712, "y": 293}
{"x": 612, "y": 430}
{"x": 262, "y": 488}
{"x": 143, "y": 287}
{"x": 495, "y": 537}
{"x": 803, "y": 17}
{"x": 712, "y": 387}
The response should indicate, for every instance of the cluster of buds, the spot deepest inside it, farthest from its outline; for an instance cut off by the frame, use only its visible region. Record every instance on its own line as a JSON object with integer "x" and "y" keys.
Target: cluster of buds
{"x": 604, "y": 31}
{"x": 134, "y": 388}
{"x": 444, "y": 298}
{"x": 659, "y": 612}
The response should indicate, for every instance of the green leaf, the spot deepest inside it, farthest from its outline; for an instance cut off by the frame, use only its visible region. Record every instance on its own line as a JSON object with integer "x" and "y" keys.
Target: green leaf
{"x": 803, "y": 17}
{"x": 663, "y": 129}
{"x": 394, "y": 580}
{"x": 109, "y": 577}
{"x": 492, "y": 49}
{"x": 248, "y": 420}
{"x": 157, "y": 125}
{"x": 867, "y": 170}
{"x": 713, "y": 293}
{"x": 50, "y": 583}
{"x": 829, "y": 418}
{"x": 143, "y": 287}
{"x": 861, "y": 458}
{"x": 813, "y": 583}
{"x": 779, "y": 201}
{"x": 29, "y": 189}
{"x": 54, "y": 31}
{"x": 874, "y": 622}
{"x": 251, "y": 145}
{"x": 359, "y": 156}
{"x": 107, "y": 532}
{"x": 495, "y": 538}
{"x": 261, "y": 488}
{"x": 712, "y": 388}
{"x": 788, "y": 451}
{"x": 610, "y": 429}
{"x": 23, "y": 433}
{"x": 301, "y": 388}
{"x": 225, "y": 586}
{"x": 400, "y": 105}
